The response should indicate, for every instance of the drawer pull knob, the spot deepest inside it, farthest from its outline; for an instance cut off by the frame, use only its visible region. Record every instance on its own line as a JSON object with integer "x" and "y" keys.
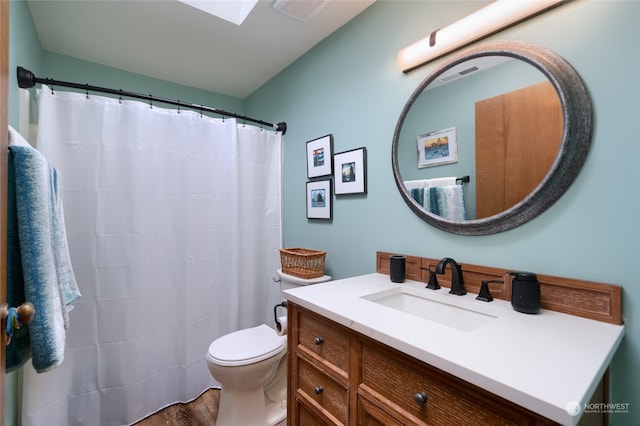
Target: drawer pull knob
{"x": 420, "y": 398}
{"x": 318, "y": 341}
{"x": 318, "y": 390}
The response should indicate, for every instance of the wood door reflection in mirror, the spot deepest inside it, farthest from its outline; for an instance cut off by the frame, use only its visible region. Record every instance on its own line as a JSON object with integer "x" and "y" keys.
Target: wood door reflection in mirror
{"x": 517, "y": 137}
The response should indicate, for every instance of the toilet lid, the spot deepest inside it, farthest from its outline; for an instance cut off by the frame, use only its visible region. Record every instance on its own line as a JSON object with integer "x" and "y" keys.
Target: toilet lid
{"x": 246, "y": 346}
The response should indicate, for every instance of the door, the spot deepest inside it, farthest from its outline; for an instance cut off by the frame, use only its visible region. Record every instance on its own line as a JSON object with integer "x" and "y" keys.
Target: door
{"x": 517, "y": 138}
{"x": 4, "y": 136}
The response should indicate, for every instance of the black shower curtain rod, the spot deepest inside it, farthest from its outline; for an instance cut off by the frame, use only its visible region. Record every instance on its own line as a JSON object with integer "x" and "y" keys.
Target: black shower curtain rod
{"x": 27, "y": 80}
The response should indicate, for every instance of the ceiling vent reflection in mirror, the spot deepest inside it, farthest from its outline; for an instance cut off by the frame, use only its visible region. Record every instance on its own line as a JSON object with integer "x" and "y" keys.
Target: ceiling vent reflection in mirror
{"x": 491, "y": 19}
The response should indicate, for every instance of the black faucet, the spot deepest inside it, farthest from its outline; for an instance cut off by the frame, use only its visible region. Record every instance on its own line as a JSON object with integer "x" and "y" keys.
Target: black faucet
{"x": 457, "y": 282}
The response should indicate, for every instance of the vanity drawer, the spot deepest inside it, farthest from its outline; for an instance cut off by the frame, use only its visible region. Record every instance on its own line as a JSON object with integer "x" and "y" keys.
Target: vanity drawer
{"x": 327, "y": 340}
{"x": 371, "y": 415}
{"x": 306, "y": 417}
{"x": 393, "y": 380}
{"x": 329, "y": 396}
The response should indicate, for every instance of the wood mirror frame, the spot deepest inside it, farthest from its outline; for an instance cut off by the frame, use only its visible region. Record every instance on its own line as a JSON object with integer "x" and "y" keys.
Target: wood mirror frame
{"x": 576, "y": 137}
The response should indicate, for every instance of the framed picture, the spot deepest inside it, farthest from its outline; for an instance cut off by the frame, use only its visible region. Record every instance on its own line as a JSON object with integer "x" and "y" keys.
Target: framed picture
{"x": 437, "y": 148}
{"x": 319, "y": 199}
{"x": 350, "y": 172}
{"x": 319, "y": 153}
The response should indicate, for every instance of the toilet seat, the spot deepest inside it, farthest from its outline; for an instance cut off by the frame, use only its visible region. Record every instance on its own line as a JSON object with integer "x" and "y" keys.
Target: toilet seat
{"x": 246, "y": 346}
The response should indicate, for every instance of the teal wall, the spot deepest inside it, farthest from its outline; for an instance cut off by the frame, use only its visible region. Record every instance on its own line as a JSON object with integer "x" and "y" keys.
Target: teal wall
{"x": 65, "y": 68}
{"x": 24, "y": 50}
{"x": 349, "y": 85}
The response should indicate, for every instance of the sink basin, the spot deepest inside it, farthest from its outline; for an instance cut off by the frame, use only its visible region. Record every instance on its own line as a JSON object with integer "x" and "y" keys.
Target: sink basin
{"x": 459, "y": 314}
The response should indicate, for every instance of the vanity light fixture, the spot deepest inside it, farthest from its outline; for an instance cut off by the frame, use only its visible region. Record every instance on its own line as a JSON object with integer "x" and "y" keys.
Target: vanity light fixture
{"x": 492, "y": 18}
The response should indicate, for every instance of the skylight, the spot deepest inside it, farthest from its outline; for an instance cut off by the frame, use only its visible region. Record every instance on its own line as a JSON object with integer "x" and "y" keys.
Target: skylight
{"x": 235, "y": 11}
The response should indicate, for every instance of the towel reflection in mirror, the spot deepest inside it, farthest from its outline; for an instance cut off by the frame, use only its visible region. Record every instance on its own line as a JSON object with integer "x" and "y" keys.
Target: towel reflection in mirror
{"x": 441, "y": 196}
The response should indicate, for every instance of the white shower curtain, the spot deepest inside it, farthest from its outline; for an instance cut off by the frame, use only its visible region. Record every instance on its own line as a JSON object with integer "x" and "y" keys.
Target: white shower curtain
{"x": 174, "y": 226}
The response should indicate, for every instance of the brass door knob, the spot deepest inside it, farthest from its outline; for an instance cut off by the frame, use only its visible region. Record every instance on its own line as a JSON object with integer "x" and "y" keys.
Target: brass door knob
{"x": 25, "y": 312}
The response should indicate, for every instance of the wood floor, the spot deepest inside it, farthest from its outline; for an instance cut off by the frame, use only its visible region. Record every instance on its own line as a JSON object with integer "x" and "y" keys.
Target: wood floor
{"x": 203, "y": 411}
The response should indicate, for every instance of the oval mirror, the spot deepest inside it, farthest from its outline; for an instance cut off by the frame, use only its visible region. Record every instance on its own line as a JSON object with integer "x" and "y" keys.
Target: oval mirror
{"x": 491, "y": 138}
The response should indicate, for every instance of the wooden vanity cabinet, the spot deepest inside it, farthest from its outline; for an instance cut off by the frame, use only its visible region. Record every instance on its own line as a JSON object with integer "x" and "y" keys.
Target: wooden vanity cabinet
{"x": 339, "y": 377}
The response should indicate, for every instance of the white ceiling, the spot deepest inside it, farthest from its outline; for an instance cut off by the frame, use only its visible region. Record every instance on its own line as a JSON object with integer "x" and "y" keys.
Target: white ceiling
{"x": 172, "y": 41}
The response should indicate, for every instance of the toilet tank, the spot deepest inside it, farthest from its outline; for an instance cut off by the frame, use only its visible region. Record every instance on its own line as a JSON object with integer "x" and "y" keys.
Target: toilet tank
{"x": 289, "y": 281}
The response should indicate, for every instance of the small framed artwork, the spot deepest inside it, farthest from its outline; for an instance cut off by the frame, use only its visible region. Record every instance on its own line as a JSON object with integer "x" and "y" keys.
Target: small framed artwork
{"x": 350, "y": 172}
{"x": 319, "y": 199}
{"x": 437, "y": 148}
{"x": 319, "y": 153}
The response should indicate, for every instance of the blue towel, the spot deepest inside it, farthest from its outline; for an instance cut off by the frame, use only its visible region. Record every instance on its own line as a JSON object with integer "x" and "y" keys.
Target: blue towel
{"x": 38, "y": 263}
{"x": 448, "y": 202}
{"x": 418, "y": 195}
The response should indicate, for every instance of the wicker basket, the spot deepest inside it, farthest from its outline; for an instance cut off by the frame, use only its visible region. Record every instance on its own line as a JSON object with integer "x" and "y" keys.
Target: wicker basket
{"x": 302, "y": 263}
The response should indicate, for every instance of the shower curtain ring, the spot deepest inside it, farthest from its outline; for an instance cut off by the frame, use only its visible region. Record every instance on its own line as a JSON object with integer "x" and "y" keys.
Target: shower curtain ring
{"x": 120, "y": 97}
{"x": 150, "y": 101}
{"x": 86, "y": 90}
{"x": 178, "y": 106}
{"x": 49, "y": 82}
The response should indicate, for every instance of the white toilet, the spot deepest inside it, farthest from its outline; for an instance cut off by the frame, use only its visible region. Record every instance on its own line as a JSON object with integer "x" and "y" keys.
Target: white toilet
{"x": 251, "y": 366}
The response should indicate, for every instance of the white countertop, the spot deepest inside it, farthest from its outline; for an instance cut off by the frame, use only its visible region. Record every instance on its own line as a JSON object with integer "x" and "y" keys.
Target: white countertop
{"x": 543, "y": 362}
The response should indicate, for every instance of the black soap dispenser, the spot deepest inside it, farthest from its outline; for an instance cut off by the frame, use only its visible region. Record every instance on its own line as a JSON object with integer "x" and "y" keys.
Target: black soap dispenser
{"x": 525, "y": 292}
